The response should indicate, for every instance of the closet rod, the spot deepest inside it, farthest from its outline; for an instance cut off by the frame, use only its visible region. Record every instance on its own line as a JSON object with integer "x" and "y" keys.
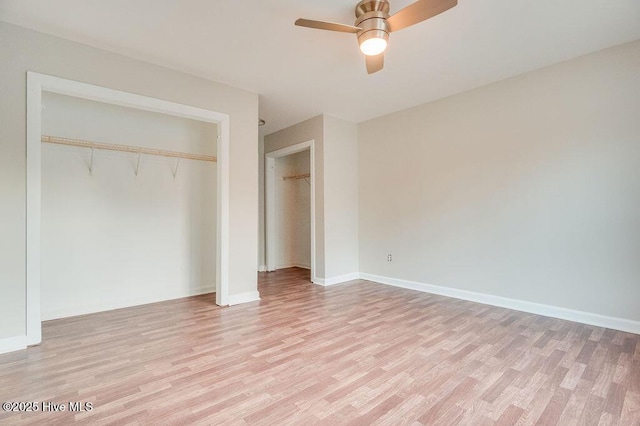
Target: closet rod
{"x": 304, "y": 176}
{"x": 126, "y": 148}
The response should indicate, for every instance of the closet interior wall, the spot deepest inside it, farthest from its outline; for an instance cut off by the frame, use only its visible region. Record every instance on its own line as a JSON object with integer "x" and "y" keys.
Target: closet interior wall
{"x": 120, "y": 231}
{"x": 293, "y": 207}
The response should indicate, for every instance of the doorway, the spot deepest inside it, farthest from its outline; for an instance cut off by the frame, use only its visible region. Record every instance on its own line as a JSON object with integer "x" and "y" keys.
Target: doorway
{"x": 286, "y": 182}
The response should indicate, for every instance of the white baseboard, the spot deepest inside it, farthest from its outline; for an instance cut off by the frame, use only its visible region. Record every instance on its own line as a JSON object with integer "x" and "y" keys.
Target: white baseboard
{"x": 285, "y": 266}
{"x": 10, "y": 344}
{"x": 598, "y": 320}
{"x": 262, "y": 268}
{"x": 337, "y": 280}
{"x": 124, "y": 303}
{"x": 249, "y": 296}
{"x": 301, "y": 266}
{"x": 293, "y": 265}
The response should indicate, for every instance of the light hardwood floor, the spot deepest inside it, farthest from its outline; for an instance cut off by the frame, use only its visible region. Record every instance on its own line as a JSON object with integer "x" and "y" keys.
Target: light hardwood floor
{"x": 357, "y": 353}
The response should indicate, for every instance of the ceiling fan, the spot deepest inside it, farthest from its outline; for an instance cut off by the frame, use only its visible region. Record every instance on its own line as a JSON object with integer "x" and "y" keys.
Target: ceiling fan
{"x": 373, "y": 25}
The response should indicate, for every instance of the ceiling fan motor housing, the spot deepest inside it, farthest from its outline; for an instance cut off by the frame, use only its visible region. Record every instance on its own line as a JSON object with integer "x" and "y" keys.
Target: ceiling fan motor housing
{"x": 371, "y": 16}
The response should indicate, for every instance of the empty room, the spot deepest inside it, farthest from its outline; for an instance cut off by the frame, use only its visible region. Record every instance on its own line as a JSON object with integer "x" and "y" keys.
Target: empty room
{"x": 402, "y": 212}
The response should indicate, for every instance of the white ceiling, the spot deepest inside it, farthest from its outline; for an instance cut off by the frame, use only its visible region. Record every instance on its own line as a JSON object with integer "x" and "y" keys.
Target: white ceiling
{"x": 300, "y": 72}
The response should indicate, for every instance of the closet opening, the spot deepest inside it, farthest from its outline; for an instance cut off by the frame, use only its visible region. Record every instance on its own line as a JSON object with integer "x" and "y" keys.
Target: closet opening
{"x": 290, "y": 204}
{"x": 127, "y": 200}
{"x": 128, "y": 207}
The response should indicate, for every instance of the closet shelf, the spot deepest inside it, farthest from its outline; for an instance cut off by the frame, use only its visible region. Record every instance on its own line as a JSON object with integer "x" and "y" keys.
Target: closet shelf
{"x": 303, "y": 176}
{"x": 126, "y": 148}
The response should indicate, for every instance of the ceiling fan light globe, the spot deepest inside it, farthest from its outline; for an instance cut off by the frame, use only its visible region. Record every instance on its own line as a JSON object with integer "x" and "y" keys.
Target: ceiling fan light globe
{"x": 373, "y": 46}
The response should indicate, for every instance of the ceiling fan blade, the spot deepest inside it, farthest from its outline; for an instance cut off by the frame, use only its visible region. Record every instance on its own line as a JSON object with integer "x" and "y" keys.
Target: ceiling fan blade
{"x": 418, "y": 12}
{"x": 375, "y": 63}
{"x": 330, "y": 26}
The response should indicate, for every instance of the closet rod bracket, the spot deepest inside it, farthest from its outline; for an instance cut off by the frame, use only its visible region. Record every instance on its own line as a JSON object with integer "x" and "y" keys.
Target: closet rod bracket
{"x": 91, "y": 163}
{"x": 138, "y": 163}
{"x": 175, "y": 170}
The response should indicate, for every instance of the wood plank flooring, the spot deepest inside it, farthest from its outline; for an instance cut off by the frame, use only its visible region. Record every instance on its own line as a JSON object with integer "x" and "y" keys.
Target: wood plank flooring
{"x": 352, "y": 354}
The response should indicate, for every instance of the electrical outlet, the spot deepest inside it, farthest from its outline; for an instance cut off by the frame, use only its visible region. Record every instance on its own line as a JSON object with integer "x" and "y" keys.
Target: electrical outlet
{"x": 389, "y": 258}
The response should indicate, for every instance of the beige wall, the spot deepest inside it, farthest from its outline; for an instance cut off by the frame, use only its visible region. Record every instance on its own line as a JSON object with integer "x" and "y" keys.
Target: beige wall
{"x": 340, "y": 197}
{"x": 528, "y": 188}
{"x": 23, "y": 50}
